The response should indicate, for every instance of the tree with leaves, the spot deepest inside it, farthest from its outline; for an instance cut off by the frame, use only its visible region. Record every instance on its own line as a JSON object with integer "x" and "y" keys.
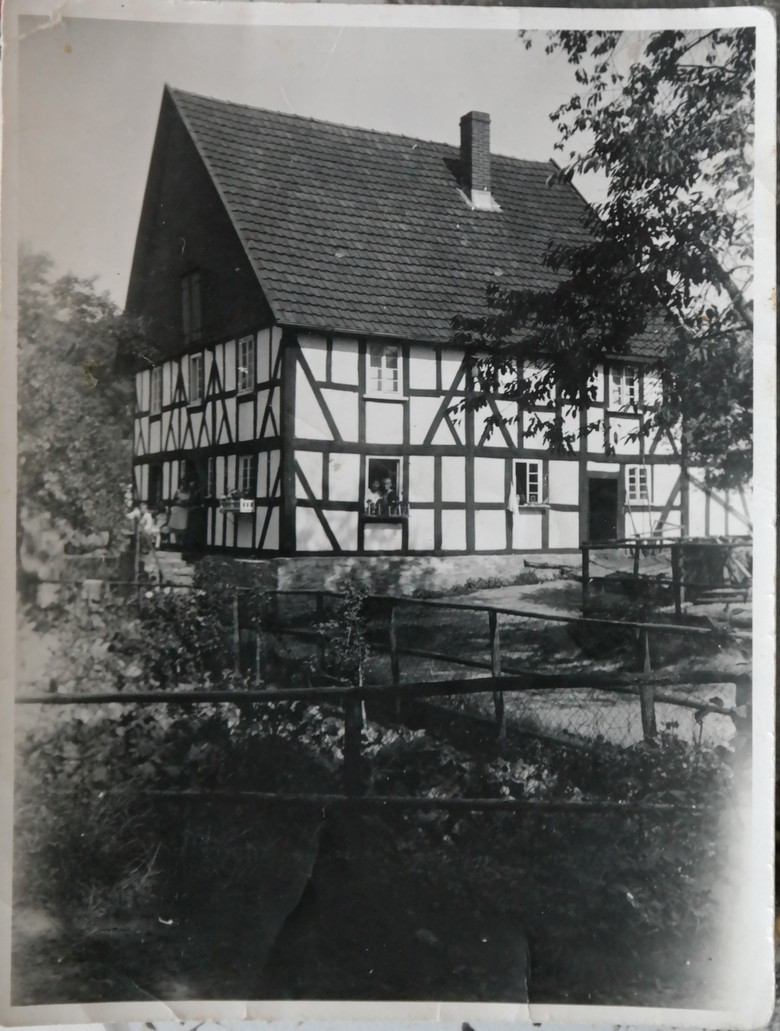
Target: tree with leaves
{"x": 74, "y": 410}
{"x": 663, "y": 121}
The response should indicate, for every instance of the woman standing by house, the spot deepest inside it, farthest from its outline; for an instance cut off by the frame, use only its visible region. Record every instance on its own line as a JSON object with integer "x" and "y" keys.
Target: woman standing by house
{"x": 177, "y": 521}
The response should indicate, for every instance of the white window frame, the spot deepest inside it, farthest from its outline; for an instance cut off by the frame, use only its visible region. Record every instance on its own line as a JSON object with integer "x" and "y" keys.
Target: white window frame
{"x": 246, "y": 364}
{"x": 197, "y": 378}
{"x": 537, "y": 495}
{"x": 637, "y": 484}
{"x": 245, "y": 470}
{"x": 623, "y": 386}
{"x": 382, "y": 379}
{"x": 156, "y": 390}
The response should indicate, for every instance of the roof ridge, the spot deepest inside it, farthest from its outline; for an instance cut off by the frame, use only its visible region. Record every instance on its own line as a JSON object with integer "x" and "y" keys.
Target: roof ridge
{"x": 178, "y": 92}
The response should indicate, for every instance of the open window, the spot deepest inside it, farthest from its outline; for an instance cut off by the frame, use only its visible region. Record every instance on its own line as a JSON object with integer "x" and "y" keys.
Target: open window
{"x": 384, "y": 497}
{"x": 529, "y": 483}
{"x": 383, "y": 372}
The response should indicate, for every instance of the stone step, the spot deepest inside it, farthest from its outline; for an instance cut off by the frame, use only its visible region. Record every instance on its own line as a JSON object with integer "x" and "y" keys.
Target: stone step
{"x": 173, "y": 569}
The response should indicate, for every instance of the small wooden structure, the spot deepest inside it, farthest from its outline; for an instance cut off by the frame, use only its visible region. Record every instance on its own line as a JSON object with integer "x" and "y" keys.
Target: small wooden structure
{"x": 698, "y": 570}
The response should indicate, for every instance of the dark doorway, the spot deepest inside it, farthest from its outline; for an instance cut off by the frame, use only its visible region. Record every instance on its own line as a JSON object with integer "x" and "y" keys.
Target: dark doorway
{"x": 195, "y": 475}
{"x": 154, "y": 493}
{"x": 602, "y": 507}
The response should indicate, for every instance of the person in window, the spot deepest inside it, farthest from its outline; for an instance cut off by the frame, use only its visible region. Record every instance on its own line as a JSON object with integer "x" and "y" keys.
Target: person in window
{"x": 373, "y": 496}
{"x": 389, "y": 500}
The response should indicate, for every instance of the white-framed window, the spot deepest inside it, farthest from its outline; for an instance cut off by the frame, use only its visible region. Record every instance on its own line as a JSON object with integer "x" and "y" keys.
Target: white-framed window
{"x": 623, "y": 386}
{"x": 245, "y": 475}
{"x": 383, "y": 369}
{"x": 529, "y": 483}
{"x": 211, "y": 477}
{"x": 197, "y": 378}
{"x": 155, "y": 391}
{"x": 245, "y": 371}
{"x": 653, "y": 389}
{"x": 637, "y": 483}
{"x": 191, "y": 307}
{"x": 383, "y": 490}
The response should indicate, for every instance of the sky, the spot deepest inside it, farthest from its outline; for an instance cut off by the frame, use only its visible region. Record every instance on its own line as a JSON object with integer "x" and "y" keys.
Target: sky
{"x": 90, "y": 93}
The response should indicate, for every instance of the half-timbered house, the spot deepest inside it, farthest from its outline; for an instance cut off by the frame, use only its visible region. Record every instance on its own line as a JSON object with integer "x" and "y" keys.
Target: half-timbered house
{"x": 297, "y": 280}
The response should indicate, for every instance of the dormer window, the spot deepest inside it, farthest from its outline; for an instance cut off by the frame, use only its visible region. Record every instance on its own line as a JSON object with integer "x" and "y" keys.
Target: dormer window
{"x": 191, "y": 308}
{"x": 384, "y": 369}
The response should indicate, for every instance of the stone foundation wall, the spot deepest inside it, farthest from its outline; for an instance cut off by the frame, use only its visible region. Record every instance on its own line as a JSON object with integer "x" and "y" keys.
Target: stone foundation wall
{"x": 382, "y": 574}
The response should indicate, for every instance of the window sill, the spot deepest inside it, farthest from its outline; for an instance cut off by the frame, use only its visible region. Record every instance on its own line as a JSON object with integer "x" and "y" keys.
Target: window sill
{"x": 375, "y": 395}
{"x": 533, "y": 504}
{"x": 385, "y": 518}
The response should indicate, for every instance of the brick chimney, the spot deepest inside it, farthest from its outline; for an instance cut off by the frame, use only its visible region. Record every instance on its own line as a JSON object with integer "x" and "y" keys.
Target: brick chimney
{"x": 475, "y": 160}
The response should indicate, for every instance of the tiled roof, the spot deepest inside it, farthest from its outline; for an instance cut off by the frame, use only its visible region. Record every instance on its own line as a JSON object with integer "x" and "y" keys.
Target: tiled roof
{"x": 366, "y": 232}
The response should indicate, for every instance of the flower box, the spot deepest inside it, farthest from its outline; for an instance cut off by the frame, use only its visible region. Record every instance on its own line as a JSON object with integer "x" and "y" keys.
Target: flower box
{"x": 241, "y": 505}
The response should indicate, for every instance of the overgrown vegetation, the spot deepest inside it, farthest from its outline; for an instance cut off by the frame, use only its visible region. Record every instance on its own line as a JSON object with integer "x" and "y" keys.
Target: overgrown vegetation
{"x": 142, "y": 869}
{"x": 75, "y": 412}
{"x": 100, "y": 844}
{"x": 343, "y": 634}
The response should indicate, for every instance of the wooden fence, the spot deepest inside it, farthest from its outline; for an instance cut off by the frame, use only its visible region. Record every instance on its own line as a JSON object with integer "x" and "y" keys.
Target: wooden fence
{"x": 352, "y": 701}
{"x": 505, "y": 676}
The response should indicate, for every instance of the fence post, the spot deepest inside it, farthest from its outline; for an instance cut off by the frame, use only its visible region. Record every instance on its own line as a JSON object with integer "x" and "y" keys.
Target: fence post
{"x": 319, "y": 617}
{"x": 353, "y": 726}
{"x": 585, "y": 549}
{"x": 677, "y": 588}
{"x": 395, "y": 667}
{"x": 636, "y": 560}
{"x": 646, "y": 691}
{"x": 137, "y": 562}
{"x": 236, "y": 636}
{"x": 495, "y": 668}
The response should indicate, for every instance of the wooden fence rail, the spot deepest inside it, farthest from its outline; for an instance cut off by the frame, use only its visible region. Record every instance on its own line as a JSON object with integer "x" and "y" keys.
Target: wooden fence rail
{"x": 352, "y": 698}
